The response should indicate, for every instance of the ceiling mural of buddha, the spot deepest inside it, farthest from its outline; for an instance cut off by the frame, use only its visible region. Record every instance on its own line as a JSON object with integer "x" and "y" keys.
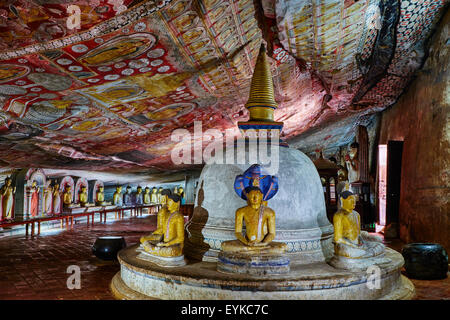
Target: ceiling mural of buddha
{"x": 131, "y": 73}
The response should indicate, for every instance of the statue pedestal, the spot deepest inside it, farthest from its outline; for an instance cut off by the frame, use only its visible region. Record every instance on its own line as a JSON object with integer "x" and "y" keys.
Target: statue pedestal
{"x": 259, "y": 261}
{"x": 177, "y": 261}
{"x": 340, "y": 262}
{"x": 200, "y": 280}
{"x": 79, "y": 209}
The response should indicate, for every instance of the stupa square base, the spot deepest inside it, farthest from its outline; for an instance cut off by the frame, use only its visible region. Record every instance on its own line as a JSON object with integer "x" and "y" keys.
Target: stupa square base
{"x": 140, "y": 279}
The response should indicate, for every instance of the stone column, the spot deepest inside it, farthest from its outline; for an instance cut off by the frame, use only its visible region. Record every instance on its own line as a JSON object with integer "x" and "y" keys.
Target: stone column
{"x": 363, "y": 141}
{"x": 189, "y": 190}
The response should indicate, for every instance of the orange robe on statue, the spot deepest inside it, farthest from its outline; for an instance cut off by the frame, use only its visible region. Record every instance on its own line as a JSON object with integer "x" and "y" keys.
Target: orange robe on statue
{"x": 34, "y": 203}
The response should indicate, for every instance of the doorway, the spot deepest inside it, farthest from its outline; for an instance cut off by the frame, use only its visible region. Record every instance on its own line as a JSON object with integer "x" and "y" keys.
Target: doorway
{"x": 389, "y": 182}
{"x": 394, "y": 174}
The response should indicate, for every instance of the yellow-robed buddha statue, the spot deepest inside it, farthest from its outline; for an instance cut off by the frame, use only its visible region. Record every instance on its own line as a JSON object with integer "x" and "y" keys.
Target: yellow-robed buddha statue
{"x": 168, "y": 239}
{"x": 117, "y": 196}
{"x": 100, "y": 196}
{"x": 7, "y": 192}
{"x": 154, "y": 195}
{"x": 349, "y": 240}
{"x": 254, "y": 252}
{"x": 353, "y": 248}
{"x": 259, "y": 223}
{"x": 161, "y": 198}
{"x": 147, "y": 196}
{"x": 67, "y": 196}
{"x": 157, "y": 234}
{"x": 83, "y": 196}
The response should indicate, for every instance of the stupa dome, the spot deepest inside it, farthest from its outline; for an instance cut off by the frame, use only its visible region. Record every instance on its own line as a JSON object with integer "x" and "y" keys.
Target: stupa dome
{"x": 301, "y": 220}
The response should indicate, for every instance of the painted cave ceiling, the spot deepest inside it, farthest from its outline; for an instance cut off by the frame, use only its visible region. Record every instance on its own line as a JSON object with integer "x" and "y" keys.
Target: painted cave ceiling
{"x": 105, "y": 91}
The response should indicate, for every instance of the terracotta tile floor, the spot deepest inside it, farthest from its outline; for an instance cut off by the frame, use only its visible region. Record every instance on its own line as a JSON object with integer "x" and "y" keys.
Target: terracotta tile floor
{"x": 35, "y": 268}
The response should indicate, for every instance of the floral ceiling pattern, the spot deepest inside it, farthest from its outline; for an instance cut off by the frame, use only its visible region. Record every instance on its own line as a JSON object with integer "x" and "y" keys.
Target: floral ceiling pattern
{"x": 102, "y": 84}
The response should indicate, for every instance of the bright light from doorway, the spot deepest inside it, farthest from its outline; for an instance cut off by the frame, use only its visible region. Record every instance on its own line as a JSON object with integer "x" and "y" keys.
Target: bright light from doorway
{"x": 382, "y": 184}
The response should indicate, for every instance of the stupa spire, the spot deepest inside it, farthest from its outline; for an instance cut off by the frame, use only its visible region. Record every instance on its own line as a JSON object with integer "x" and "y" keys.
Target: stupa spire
{"x": 261, "y": 102}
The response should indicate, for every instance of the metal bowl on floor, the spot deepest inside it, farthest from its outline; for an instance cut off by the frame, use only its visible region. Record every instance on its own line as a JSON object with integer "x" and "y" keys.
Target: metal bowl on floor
{"x": 107, "y": 247}
{"x": 425, "y": 261}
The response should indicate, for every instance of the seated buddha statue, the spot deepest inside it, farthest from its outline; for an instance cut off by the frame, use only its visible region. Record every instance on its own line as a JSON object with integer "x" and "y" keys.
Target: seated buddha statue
{"x": 351, "y": 245}
{"x": 117, "y": 196}
{"x": 161, "y": 199}
{"x": 67, "y": 197}
{"x": 147, "y": 197}
{"x": 259, "y": 223}
{"x": 168, "y": 239}
{"x": 157, "y": 234}
{"x": 83, "y": 196}
{"x": 254, "y": 252}
{"x": 154, "y": 195}
{"x": 127, "y": 197}
{"x": 100, "y": 196}
{"x": 139, "y": 199}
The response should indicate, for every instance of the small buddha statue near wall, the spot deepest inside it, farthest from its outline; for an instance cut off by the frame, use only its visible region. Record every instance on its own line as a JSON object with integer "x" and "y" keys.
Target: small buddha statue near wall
{"x": 161, "y": 199}
{"x": 83, "y": 196}
{"x": 67, "y": 197}
{"x": 7, "y": 192}
{"x": 56, "y": 199}
{"x": 147, "y": 196}
{"x": 154, "y": 196}
{"x": 117, "y": 196}
{"x": 100, "y": 196}
{"x": 168, "y": 239}
{"x": 352, "y": 163}
{"x": 139, "y": 197}
{"x": 127, "y": 197}
{"x": 48, "y": 198}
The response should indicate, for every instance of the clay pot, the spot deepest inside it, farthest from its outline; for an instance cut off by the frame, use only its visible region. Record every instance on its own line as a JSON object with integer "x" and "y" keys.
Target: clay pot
{"x": 106, "y": 248}
{"x": 425, "y": 261}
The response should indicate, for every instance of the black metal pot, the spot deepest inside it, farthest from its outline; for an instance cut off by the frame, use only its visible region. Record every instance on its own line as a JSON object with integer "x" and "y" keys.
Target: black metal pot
{"x": 425, "y": 261}
{"x": 107, "y": 247}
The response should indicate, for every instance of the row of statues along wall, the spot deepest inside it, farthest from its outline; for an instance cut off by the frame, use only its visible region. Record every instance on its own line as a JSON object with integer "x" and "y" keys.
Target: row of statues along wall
{"x": 30, "y": 194}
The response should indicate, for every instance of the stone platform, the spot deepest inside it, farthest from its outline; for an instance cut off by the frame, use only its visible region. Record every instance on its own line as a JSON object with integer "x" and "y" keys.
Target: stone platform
{"x": 270, "y": 259}
{"x": 76, "y": 210}
{"x": 139, "y": 279}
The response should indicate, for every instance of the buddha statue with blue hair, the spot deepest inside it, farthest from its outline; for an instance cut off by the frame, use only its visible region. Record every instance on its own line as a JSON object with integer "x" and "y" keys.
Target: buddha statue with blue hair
{"x": 259, "y": 221}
